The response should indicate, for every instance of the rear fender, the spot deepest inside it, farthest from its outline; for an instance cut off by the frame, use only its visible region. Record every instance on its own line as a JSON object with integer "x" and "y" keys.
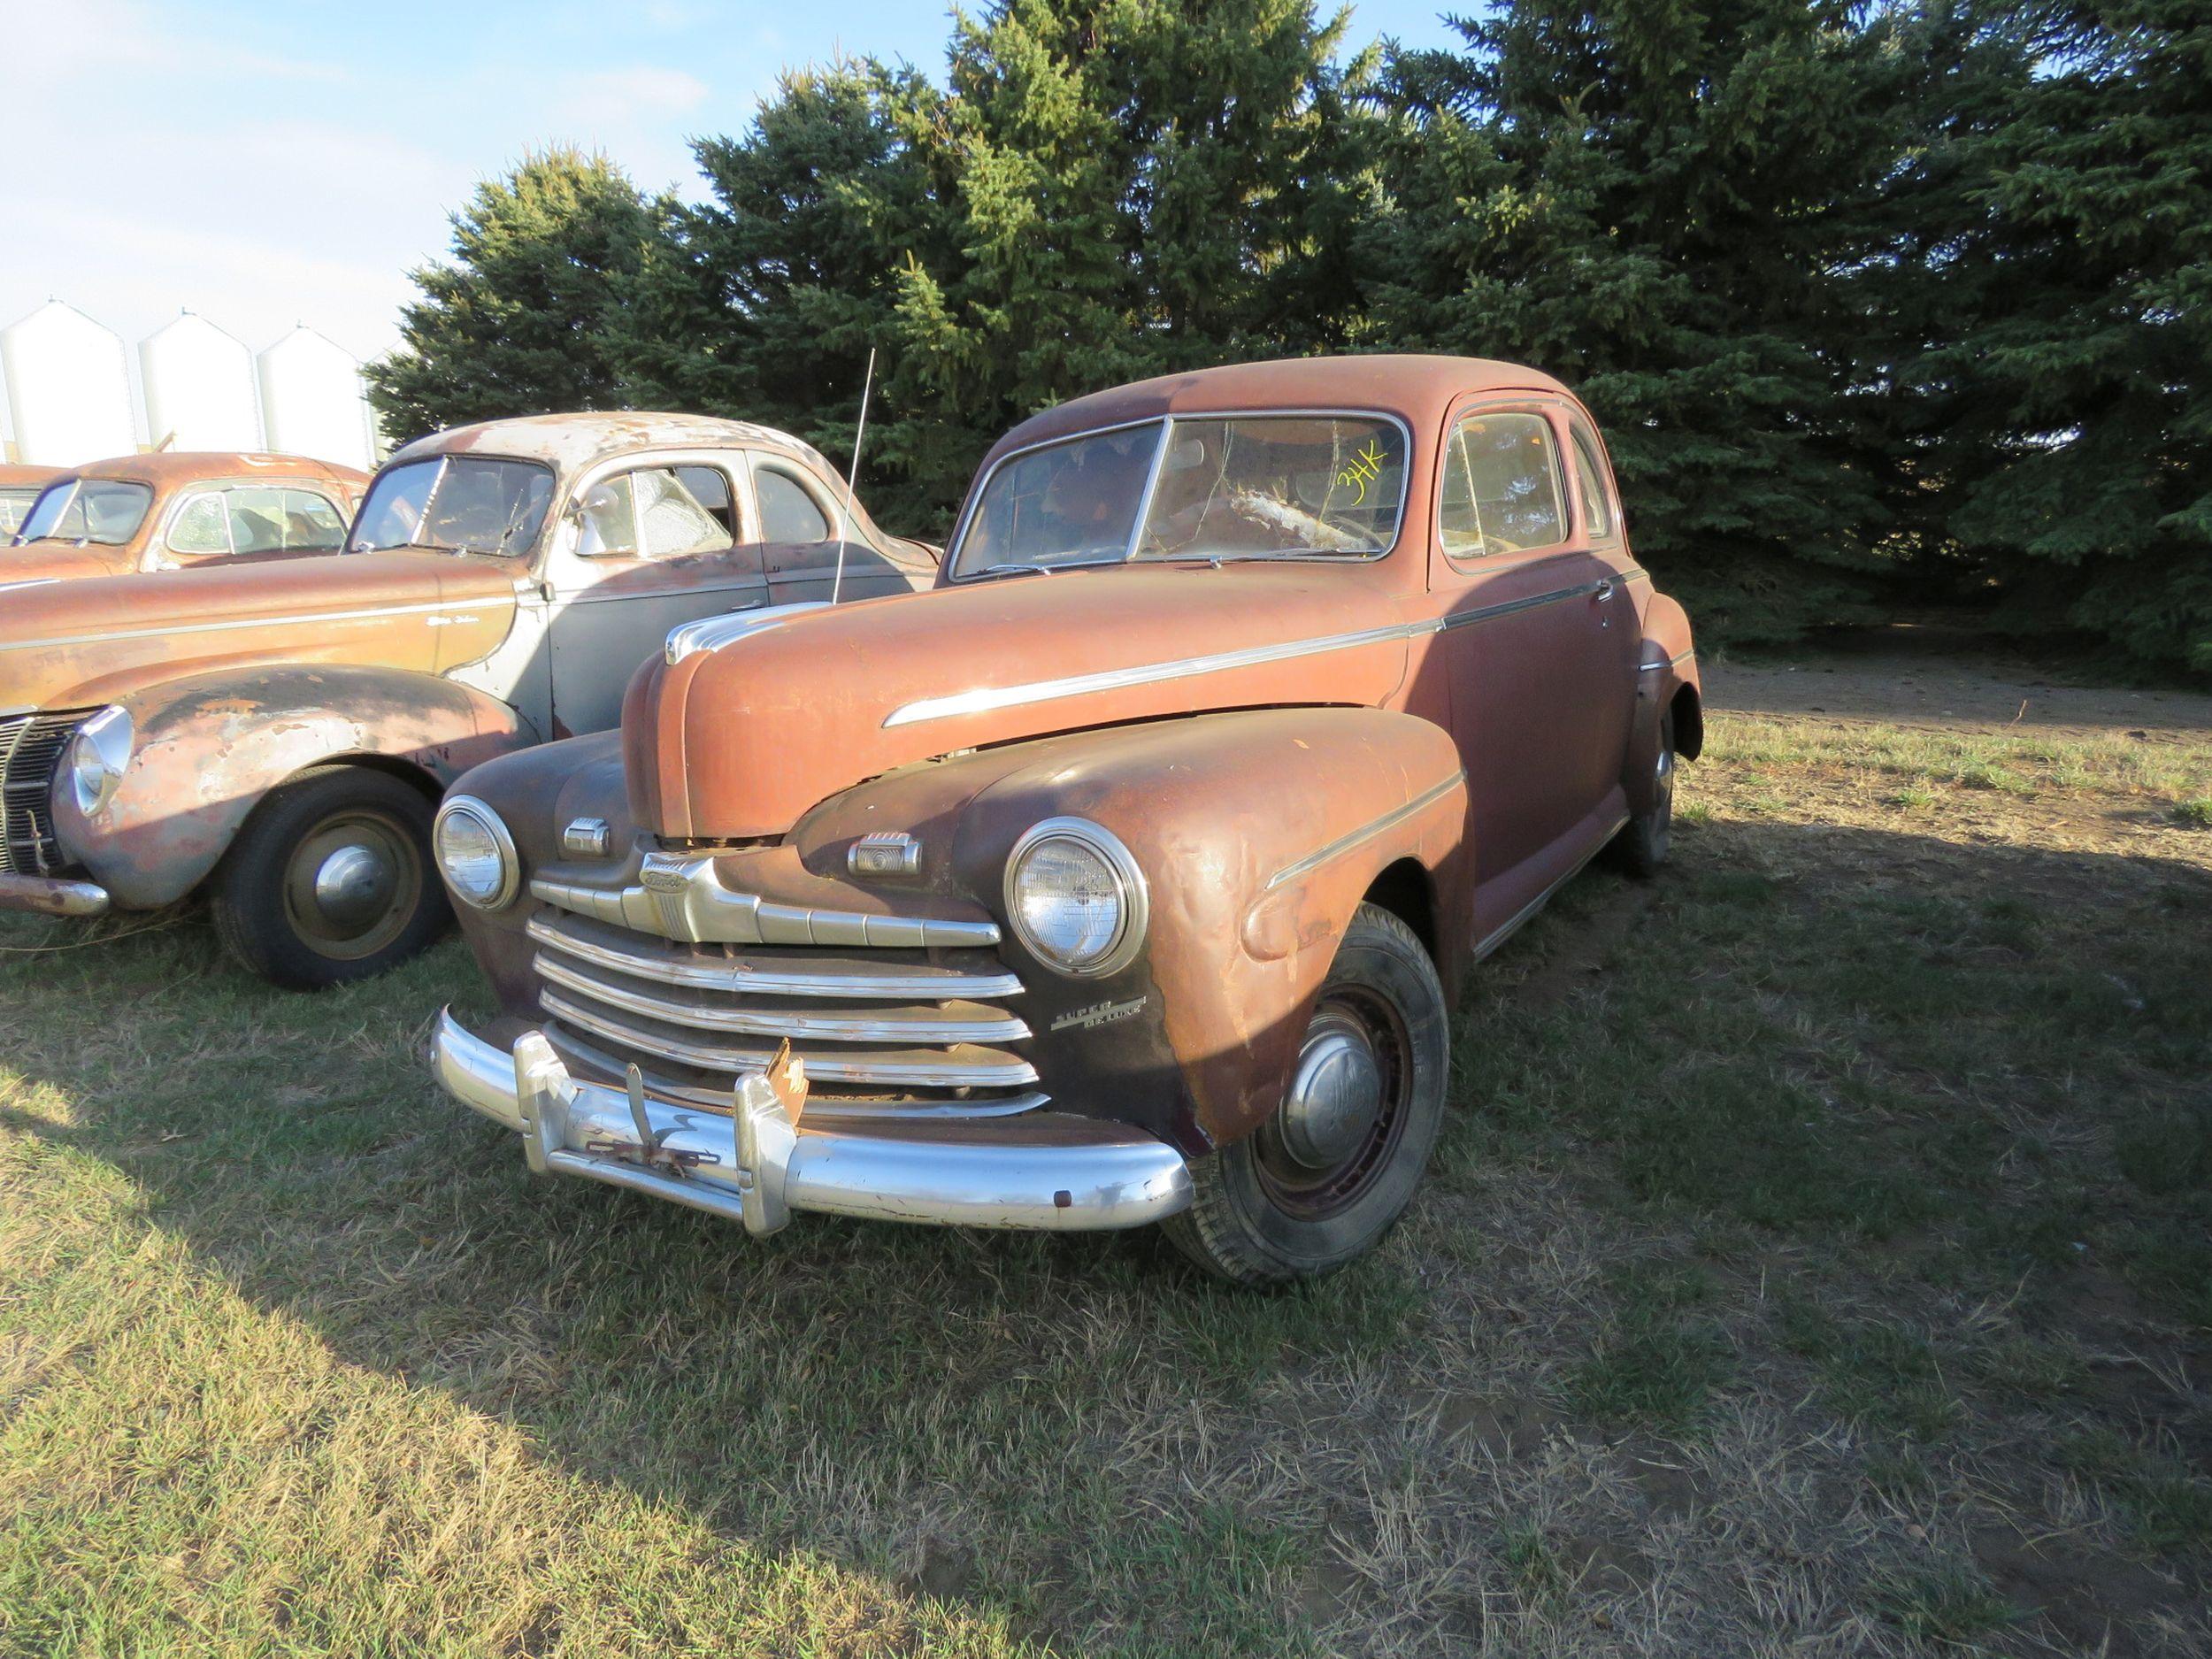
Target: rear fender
{"x": 207, "y": 748}
{"x": 1667, "y": 678}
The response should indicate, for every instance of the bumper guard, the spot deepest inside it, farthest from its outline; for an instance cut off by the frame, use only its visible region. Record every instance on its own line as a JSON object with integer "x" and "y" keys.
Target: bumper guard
{"x": 1046, "y": 1171}
{"x": 51, "y": 896}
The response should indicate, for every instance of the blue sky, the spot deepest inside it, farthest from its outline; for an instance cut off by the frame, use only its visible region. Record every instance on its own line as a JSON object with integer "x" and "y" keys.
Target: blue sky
{"x": 267, "y": 163}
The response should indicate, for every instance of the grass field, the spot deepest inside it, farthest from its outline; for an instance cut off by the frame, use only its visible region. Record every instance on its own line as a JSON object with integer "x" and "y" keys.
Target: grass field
{"x": 1820, "y": 1261}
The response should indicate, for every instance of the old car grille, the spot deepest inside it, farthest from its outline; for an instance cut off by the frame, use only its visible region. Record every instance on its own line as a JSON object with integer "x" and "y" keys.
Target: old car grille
{"x": 31, "y": 748}
{"x": 883, "y": 1032}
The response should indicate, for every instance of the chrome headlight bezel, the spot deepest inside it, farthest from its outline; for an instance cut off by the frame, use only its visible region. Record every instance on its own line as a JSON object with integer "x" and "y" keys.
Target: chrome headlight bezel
{"x": 99, "y": 754}
{"x": 1120, "y": 864}
{"x": 467, "y": 806}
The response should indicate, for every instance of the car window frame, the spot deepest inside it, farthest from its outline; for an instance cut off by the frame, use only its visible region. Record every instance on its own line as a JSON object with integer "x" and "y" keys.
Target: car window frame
{"x": 833, "y": 514}
{"x": 1580, "y": 428}
{"x": 1546, "y": 411}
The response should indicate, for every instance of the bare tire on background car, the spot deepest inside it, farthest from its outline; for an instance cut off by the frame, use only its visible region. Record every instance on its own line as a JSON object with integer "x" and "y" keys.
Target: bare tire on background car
{"x": 1320, "y": 1181}
{"x": 331, "y": 879}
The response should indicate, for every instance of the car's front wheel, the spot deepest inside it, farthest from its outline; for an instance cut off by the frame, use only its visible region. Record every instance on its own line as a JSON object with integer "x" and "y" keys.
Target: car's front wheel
{"x": 331, "y": 879}
{"x": 1325, "y": 1177}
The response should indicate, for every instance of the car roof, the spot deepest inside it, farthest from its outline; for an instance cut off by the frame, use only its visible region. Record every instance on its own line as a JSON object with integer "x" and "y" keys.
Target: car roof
{"x": 1416, "y": 389}
{"x": 570, "y": 442}
{"x": 166, "y": 468}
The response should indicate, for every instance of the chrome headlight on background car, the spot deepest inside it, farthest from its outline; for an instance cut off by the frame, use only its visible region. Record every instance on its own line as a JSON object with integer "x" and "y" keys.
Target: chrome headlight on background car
{"x": 99, "y": 756}
{"x": 1075, "y": 896}
{"x": 476, "y": 855}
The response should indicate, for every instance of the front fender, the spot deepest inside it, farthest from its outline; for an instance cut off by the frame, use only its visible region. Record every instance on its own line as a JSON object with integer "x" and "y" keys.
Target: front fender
{"x": 209, "y": 746}
{"x": 1666, "y": 677}
{"x": 1258, "y": 833}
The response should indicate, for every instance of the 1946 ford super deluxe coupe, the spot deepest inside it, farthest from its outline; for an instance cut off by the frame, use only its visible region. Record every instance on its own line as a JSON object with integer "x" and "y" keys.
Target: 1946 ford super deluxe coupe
{"x": 277, "y": 735}
{"x": 1125, "y": 877}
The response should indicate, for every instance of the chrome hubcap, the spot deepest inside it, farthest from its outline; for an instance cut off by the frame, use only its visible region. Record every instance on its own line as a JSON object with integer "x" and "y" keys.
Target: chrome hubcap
{"x": 353, "y": 885}
{"x": 1335, "y": 1095}
{"x": 1663, "y": 792}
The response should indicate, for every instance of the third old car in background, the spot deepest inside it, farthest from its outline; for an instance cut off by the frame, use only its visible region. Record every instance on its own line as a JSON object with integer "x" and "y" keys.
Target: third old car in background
{"x": 1125, "y": 877}
{"x": 277, "y": 736}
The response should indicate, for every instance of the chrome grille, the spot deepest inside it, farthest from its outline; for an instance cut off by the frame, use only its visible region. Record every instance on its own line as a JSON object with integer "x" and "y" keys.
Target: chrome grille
{"x": 31, "y": 747}
{"x": 903, "y": 1031}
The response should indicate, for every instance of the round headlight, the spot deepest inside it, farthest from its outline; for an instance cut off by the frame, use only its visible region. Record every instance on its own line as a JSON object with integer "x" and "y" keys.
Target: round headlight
{"x": 1075, "y": 896}
{"x": 475, "y": 854}
{"x": 97, "y": 756}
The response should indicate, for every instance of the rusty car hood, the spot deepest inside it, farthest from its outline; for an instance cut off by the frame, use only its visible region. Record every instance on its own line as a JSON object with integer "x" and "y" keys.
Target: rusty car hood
{"x": 50, "y": 561}
{"x": 76, "y": 643}
{"x": 739, "y": 742}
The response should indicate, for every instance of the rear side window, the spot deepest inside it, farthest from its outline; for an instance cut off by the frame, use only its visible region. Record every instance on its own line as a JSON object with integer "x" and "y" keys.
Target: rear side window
{"x": 202, "y": 525}
{"x": 1597, "y": 512}
{"x": 1502, "y": 492}
{"x": 788, "y": 513}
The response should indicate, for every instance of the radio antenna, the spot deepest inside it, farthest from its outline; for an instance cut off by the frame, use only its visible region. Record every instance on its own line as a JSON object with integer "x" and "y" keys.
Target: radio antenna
{"x": 837, "y": 584}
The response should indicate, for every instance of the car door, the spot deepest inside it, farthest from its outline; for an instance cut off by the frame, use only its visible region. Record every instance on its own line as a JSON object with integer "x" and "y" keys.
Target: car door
{"x": 646, "y": 546}
{"x": 800, "y": 520}
{"x": 1538, "y": 632}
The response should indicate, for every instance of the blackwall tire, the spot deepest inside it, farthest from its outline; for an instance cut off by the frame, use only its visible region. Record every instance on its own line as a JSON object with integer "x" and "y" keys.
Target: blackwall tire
{"x": 1319, "y": 1183}
{"x": 331, "y": 879}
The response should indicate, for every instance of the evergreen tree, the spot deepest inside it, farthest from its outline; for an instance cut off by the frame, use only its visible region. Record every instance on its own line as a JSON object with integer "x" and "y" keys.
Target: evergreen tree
{"x": 2077, "y": 399}
{"x": 1667, "y": 206}
{"x": 522, "y": 319}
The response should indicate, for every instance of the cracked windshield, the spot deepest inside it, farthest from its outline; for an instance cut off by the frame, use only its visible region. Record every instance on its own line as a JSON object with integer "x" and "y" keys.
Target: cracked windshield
{"x": 1272, "y": 487}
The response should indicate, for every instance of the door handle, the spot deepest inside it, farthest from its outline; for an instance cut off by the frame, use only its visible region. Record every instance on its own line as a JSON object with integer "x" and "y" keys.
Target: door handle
{"x": 1603, "y": 591}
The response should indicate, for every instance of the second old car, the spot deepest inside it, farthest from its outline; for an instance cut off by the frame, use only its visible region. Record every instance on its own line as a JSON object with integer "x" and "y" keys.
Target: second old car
{"x": 277, "y": 736}
{"x": 1126, "y": 877}
{"x": 176, "y": 511}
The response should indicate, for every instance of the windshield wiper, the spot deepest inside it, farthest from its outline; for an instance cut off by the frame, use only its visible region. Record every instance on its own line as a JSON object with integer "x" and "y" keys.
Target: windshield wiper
{"x": 1024, "y": 568}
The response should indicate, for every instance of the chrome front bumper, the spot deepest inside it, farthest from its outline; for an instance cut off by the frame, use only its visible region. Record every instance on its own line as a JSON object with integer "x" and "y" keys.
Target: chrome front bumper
{"x": 1039, "y": 1169}
{"x": 50, "y": 895}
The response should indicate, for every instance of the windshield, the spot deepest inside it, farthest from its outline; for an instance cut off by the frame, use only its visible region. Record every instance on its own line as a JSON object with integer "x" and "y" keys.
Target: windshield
{"x": 14, "y": 505}
{"x": 454, "y": 503}
{"x": 1222, "y": 486}
{"x": 88, "y": 510}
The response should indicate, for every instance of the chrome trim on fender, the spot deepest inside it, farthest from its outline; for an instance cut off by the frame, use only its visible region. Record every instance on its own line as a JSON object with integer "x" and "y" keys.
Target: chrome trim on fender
{"x": 712, "y": 633}
{"x": 1676, "y": 661}
{"x": 243, "y": 622}
{"x": 684, "y": 898}
{"x": 1313, "y": 861}
{"x": 756, "y": 1165}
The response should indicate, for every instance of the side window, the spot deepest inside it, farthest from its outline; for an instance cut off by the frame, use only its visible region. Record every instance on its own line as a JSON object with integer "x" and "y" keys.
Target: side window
{"x": 311, "y": 523}
{"x": 787, "y": 512}
{"x": 202, "y": 527}
{"x": 609, "y": 520}
{"x": 257, "y": 520}
{"x": 710, "y": 487}
{"x": 1597, "y": 513}
{"x": 672, "y": 520}
{"x": 1501, "y": 487}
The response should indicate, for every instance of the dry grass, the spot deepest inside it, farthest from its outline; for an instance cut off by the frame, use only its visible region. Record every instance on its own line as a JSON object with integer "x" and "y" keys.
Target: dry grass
{"x": 1819, "y": 1264}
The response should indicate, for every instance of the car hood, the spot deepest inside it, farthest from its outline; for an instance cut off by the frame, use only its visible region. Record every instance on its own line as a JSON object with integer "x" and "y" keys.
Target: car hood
{"x": 60, "y": 561}
{"x": 76, "y": 643}
{"x": 739, "y": 742}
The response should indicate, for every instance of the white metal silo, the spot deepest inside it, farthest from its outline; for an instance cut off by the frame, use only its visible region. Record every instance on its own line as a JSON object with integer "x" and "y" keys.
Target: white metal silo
{"x": 199, "y": 385}
{"x": 313, "y": 401}
{"x": 69, "y": 389}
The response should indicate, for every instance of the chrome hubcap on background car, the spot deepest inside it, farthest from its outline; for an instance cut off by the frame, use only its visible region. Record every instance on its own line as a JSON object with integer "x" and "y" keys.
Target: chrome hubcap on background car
{"x": 1344, "y": 1109}
{"x": 351, "y": 885}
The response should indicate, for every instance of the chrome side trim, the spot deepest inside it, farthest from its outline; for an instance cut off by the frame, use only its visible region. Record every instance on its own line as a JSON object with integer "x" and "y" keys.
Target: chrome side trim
{"x": 684, "y": 898}
{"x": 712, "y": 633}
{"x": 756, "y": 1165}
{"x": 455, "y": 605}
{"x": 745, "y": 980}
{"x": 1498, "y": 935}
{"x": 982, "y": 700}
{"x": 1313, "y": 861}
{"x": 1513, "y": 607}
{"x": 779, "y": 1023}
{"x": 855, "y": 1069}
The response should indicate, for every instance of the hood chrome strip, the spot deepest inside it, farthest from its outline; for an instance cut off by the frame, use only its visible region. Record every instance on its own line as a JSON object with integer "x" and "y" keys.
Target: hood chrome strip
{"x": 458, "y": 605}
{"x": 983, "y": 699}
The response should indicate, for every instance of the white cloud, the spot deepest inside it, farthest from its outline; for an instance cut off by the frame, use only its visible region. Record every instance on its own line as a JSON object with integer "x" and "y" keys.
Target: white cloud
{"x": 611, "y": 96}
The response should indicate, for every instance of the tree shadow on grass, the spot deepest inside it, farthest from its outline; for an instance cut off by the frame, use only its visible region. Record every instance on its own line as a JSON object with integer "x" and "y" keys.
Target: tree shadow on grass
{"x": 985, "y": 1442}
